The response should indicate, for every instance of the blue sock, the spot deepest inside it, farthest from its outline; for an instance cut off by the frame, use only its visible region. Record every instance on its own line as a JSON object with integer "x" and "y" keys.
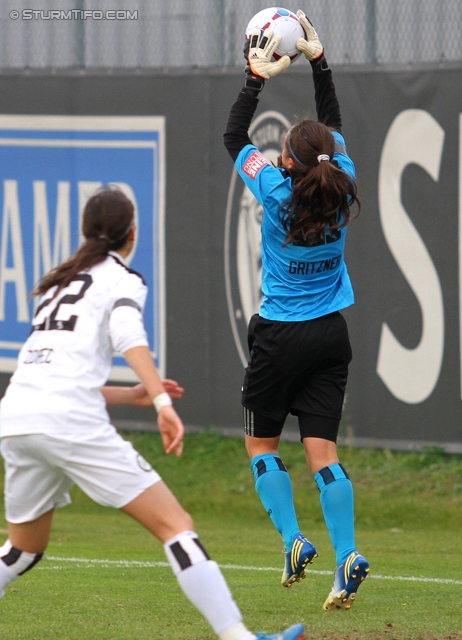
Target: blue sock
{"x": 337, "y": 504}
{"x": 273, "y": 485}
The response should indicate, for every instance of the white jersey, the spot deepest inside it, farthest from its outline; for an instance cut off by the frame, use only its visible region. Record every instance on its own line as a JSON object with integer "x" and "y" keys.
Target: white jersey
{"x": 67, "y": 357}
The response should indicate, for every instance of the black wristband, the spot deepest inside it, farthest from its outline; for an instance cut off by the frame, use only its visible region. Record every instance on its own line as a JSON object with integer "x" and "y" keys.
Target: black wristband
{"x": 253, "y": 84}
{"x": 319, "y": 65}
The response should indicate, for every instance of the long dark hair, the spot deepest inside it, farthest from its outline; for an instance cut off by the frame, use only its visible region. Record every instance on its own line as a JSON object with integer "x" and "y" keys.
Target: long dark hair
{"x": 322, "y": 194}
{"x": 107, "y": 219}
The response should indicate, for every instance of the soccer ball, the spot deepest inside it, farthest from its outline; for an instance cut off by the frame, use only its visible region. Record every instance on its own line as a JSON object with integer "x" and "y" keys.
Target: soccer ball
{"x": 282, "y": 22}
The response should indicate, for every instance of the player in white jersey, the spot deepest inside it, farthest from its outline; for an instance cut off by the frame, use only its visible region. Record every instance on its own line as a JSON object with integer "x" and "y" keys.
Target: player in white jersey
{"x": 55, "y": 430}
{"x": 67, "y": 357}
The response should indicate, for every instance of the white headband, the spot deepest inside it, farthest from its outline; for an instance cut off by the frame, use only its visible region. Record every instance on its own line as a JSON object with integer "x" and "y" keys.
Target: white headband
{"x": 323, "y": 156}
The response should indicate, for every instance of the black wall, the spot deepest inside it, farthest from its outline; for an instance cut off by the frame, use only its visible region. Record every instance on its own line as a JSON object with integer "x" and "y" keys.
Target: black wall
{"x": 201, "y": 349}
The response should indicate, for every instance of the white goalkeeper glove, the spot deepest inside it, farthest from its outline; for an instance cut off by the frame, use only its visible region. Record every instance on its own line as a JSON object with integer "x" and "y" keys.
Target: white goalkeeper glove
{"x": 311, "y": 47}
{"x": 261, "y": 50}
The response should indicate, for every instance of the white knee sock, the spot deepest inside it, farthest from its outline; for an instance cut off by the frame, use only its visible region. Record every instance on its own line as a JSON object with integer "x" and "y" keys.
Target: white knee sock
{"x": 13, "y": 563}
{"x": 204, "y": 585}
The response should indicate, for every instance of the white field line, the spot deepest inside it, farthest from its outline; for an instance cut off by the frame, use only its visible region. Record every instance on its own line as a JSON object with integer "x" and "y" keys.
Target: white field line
{"x": 143, "y": 564}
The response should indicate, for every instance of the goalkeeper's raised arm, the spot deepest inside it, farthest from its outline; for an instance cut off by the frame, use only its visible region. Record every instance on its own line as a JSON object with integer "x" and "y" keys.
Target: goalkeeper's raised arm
{"x": 327, "y": 106}
{"x": 258, "y": 52}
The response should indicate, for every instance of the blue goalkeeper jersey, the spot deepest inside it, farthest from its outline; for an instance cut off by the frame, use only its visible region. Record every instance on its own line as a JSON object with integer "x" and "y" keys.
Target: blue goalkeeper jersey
{"x": 298, "y": 282}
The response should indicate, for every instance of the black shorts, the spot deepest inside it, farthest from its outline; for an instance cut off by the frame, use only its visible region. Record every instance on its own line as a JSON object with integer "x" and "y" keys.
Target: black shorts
{"x": 299, "y": 368}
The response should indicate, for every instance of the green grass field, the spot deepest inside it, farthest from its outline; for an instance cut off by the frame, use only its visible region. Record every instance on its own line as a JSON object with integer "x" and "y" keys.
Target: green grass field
{"x": 105, "y": 577}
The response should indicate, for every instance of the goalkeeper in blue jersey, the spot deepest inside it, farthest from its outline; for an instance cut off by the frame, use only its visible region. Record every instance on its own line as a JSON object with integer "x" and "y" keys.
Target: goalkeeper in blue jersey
{"x": 298, "y": 342}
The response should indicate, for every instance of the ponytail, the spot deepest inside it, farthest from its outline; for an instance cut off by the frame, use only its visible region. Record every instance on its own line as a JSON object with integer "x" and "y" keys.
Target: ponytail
{"x": 107, "y": 219}
{"x": 322, "y": 194}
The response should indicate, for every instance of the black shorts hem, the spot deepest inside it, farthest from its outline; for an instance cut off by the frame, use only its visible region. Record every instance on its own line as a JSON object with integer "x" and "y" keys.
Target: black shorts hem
{"x": 265, "y": 414}
{"x": 318, "y": 426}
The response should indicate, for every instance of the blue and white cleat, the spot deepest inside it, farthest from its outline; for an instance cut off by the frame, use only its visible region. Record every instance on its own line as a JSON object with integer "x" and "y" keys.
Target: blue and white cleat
{"x": 347, "y": 578}
{"x": 301, "y": 554}
{"x": 295, "y": 632}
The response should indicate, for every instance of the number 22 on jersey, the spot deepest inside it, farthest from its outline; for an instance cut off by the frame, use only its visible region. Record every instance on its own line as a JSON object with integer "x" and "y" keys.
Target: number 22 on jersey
{"x": 48, "y": 320}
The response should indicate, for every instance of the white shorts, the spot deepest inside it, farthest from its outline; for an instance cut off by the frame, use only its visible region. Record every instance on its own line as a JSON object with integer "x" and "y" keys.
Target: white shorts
{"x": 41, "y": 469}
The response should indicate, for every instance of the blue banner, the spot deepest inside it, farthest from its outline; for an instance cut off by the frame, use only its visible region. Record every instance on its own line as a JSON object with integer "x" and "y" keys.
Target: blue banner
{"x": 49, "y": 167}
